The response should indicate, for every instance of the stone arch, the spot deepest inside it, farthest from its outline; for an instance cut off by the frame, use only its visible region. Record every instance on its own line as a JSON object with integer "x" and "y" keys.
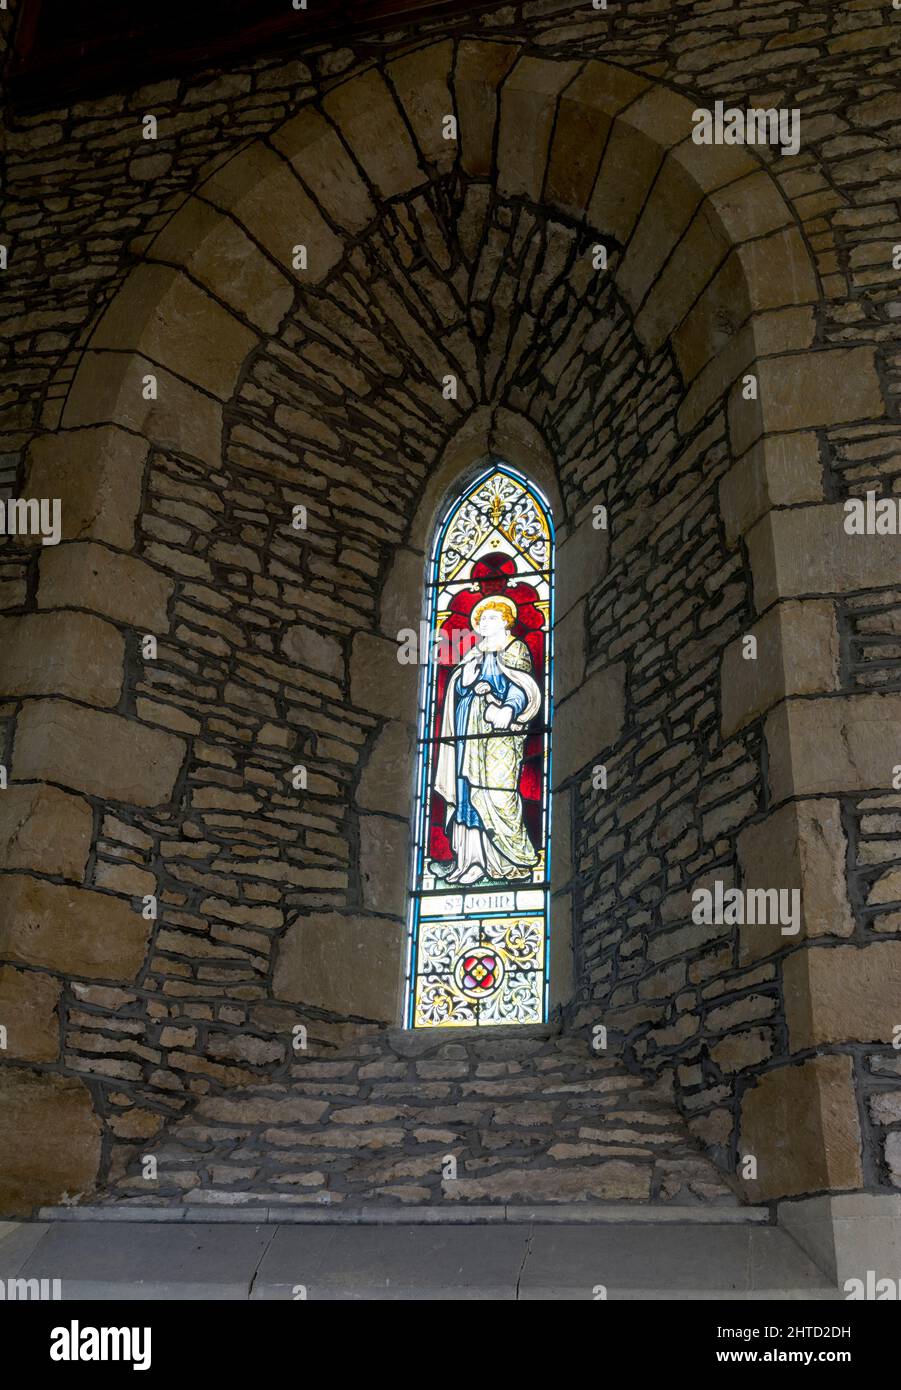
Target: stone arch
{"x": 705, "y": 249}
{"x": 708, "y": 258}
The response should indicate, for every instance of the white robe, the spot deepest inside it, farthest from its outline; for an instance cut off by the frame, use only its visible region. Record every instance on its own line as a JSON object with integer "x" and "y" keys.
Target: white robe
{"x": 491, "y": 764}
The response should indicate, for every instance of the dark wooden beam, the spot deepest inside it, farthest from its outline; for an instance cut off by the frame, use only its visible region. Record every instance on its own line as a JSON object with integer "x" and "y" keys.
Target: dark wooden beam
{"x": 64, "y": 52}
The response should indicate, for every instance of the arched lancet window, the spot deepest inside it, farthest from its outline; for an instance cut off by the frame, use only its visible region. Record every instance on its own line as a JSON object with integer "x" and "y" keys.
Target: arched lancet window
{"x": 479, "y": 915}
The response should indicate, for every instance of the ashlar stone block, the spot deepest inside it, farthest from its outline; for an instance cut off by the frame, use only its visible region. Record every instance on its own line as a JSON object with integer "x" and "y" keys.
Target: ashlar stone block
{"x": 801, "y": 1124}
{"x": 581, "y": 562}
{"x": 121, "y": 587}
{"x": 805, "y": 390}
{"x": 584, "y": 116}
{"x": 830, "y": 745}
{"x": 384, "y": 862}
{"x": 481, "y": 68}
{"x": 379, "y": 682}
{"x": 45, "y": 829}
{"x": 260, "y": 189}
{"x": 98, "y": 476}
{"x": 28, "y": 1008}
{"x": 802, "y": 846}
{"x": 73, "y": 654}
{"x": 49, "y": 1140}
{"x": 110, "y": 388}
{"x": 320, "y": 158}
{"x": 163, "y": 314}
{"x": 797, "y": 653}
{"x": 95, "y": 752}
{"x": 387, "y": 777}
{"x": 366, "y": 113}
{"x": 775, "y": 472}
{"x": 528, "y": 104}
{"x": 220, "y": 254}
{"x": 420, "y": 79}
{"x": 75, "y": 931}
{"x": 350, "y": 965}
{"x": 843, "y": 994}
{"x": 588, "y": 722}
{"x": 651, "y": 122}
{"x": 803, "y": 550}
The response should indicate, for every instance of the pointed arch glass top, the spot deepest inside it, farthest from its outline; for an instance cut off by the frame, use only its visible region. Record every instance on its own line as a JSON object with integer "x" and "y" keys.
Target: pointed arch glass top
{"x": 479, "y": 910}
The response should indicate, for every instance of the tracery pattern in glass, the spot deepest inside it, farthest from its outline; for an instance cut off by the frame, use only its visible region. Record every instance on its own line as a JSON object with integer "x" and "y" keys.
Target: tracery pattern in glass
{"x": 479, "y": 908}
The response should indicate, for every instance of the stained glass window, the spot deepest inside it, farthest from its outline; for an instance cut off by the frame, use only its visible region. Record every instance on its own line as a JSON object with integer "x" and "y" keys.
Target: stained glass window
{"x": 479, "y": 910}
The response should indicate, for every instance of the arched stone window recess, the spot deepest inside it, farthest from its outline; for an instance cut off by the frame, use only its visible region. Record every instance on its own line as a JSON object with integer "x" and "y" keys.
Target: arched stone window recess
{"x": 491, "y": 441}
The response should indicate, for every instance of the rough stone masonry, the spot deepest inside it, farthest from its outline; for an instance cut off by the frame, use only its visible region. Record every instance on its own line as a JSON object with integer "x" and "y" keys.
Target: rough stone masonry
{"x": 170, "y": 778}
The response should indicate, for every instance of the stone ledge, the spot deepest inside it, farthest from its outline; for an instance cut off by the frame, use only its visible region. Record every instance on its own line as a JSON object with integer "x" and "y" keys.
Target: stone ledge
{"x": 568, "y": 1213}
{"x": 849, "y": 1234}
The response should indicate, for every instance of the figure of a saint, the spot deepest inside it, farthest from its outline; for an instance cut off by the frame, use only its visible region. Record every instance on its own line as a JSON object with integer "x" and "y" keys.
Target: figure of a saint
{"x": 489, "y": 702}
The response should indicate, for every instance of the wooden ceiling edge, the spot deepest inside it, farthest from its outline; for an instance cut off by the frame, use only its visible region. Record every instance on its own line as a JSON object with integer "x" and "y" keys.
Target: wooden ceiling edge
{"x": 34, "y": 83}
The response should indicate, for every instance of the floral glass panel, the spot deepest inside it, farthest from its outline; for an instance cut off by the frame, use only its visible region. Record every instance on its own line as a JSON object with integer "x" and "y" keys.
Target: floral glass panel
{"x": 480, "y": 903}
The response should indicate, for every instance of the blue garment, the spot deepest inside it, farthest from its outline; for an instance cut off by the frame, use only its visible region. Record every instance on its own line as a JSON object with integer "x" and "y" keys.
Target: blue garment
{"x": 509, "y": 693}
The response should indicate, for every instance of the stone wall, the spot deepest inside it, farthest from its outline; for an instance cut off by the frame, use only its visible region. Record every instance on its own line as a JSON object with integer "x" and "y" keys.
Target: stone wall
{"x": 172, "y": 777}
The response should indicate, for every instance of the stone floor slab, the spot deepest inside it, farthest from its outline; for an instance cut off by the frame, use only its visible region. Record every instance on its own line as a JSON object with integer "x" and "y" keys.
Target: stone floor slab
{"x": 574, "y": 1262}
{"x": 394, "y": 1263}
{"x": 18, "y": 1241}
{"x": 117, "y": 1260}
{"x": 145, "y": 1260}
